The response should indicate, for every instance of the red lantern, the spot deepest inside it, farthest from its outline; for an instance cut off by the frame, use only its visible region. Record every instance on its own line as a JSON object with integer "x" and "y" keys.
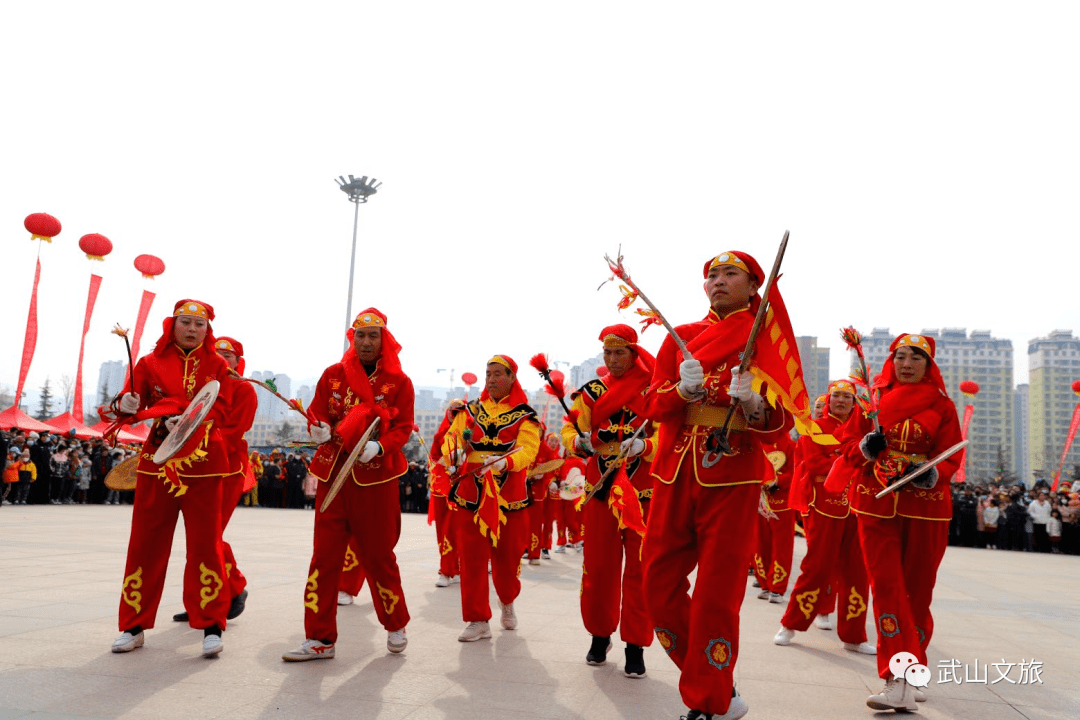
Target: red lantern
{"x": 95, "y": 246}
{"x": 1076, "y": 387}
{"x": 149, "y": 266}
{"x": 969, "y": 387}
{"x": 468, "y": 379}
{"x": 42, "y": 226}
{"x": 601, "y": 370}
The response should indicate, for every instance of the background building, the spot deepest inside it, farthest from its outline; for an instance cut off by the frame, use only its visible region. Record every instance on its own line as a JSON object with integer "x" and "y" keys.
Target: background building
{"x": 815, "y": 364}
{"x": 1021, "y": 421}
{"x": 1054, "y": 363}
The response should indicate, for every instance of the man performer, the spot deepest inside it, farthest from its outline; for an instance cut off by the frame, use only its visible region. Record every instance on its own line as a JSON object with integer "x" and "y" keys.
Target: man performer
{"x": 367, "y": 384}
{"x": 706, "y": 516}
{"x": 191, "y": 482}
{"x": 440, "y": 510}
{"x": 833, "y": 563}
{"x": 609, "y": 412}
{"x": 548, "y": 461}
{"x": 776, "y": 535}
{"x": 489, "y": 524}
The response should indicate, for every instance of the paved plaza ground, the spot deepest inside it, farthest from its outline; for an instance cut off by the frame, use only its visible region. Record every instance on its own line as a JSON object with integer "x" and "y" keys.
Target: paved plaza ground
{"x": 61, "y": 568}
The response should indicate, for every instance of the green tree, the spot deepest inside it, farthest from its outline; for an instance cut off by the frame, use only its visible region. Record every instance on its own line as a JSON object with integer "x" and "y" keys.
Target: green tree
{"x": 285, "y": 432}
{"x": 45, "y": 409}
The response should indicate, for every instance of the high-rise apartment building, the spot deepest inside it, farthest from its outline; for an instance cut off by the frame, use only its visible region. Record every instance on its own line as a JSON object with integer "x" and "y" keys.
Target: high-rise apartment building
{"x": 815, "y": 366}
{"x": 1054, "y": 363}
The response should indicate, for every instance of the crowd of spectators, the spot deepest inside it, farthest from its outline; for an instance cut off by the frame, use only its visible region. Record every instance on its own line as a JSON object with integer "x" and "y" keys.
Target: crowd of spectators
{"x": 43, "y": 468}
{"x": 1013, "y": 517}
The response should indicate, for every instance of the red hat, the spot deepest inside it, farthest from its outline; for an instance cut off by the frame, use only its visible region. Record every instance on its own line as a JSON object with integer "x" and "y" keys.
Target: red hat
{"x": 232, "y": 345}
{"x": 920, "y": 342}
{"x": 191, "y": 308}
{"x": 388, "y": 355}
{"x": 624, "y": 336}
{"x": 741, "y": 260}
{"x": 517, "y": 396}
{"x": 506, "y": 361}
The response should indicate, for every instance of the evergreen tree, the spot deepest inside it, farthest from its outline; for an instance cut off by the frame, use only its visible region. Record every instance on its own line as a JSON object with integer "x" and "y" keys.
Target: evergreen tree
{"x": 285, "y": 432}
{"x": 45, "y": 409}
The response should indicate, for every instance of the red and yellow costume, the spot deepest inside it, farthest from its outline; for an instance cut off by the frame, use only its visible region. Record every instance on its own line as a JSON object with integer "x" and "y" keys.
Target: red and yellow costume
{"x": 349, "y": 397}
{"x": 776, "y": 535}
{"x": 488, "y": 524}
{"x": 705, "y": 517}
{"x": 538, "y": 482}
{"x": 439, "y": 507}
{"x": 609, "y": 411}
{"x": 190, "y": 483}
{"x": 832, "y": 572}
{"x": 905, "y": 533}
{"x": 245, "y": 403}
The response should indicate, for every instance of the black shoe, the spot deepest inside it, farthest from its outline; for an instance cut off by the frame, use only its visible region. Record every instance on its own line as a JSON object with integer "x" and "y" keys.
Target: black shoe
{"x": 635, "y": 661}
{"x": 237, "y": 605}
{"x": 180, "y": 617}
{"x": 598, "y": 651}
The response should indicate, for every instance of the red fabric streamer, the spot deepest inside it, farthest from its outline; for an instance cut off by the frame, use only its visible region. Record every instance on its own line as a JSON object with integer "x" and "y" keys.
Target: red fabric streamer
{"x": 30, "y": 341}
{"x": 144, "y": 312}
{"x": 624, "y": 503}
{"x": 1073, "y": 426}
{"x": 490, "y": 516}
{"x": 91, "y": 298}
{"x": 961, "y": 474}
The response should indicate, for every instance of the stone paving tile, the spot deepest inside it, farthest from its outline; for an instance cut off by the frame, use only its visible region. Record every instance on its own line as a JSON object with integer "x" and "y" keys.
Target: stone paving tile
{"x": 59, "y": 598}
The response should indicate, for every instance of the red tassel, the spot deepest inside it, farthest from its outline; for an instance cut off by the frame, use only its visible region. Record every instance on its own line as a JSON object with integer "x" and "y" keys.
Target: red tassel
{"x": 540, "y": 362}
{"x": 556, "y": 387}
{"x": 572, "y": 418}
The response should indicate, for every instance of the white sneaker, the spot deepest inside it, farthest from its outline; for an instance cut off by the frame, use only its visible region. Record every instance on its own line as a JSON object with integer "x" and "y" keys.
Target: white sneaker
{"x": 864, "y": 647}
{"x": 396, "y": 641}
{"x": 455, "y": 579}
{"x": 763, "y": 595}
{"x": 443, "y": 581}
{"x": 737, "y": 709}
{"x": 474, "y": 631}
{"x": 784, "y": 636}
{"x": 545, "y": 555}
{"x": 920, "y": 696}
{"x": 579, "y": 547}
{"x": 560, "y": 549}
{"x": 344, "y": 598}
{"x": 824, "y": 622}
{"x": 534, "y": 561}
{"x": 897, "y": 695}
{"x": 776, "y": 598}
{"x": 310, "y": 650}
{"x": 509, "y": 620}
{"x": 212, "y": 645}
{"x": 128, "y": 642}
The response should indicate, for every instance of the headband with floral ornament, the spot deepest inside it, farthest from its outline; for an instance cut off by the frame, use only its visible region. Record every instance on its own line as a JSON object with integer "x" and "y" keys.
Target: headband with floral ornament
{"x": 190, "y": 308}
{"x": 618, "y": 336}
{"x": 388, "y": 355}
{"x": 844, "y": 386}
{"x": 232, "y": 345}
{"x": 506, "y": 361}
{"x": 194, "y": 308}
{"x": 926, "y": 344}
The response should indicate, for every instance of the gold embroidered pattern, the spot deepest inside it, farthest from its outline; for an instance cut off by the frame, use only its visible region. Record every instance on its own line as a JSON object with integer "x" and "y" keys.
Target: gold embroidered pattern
{"x": 190, "y": 376}
{"x": 212, "y": 585}
{"x": 778, "y": 573}
{"x": 807, "y": 600}
{"x": 389, "y": 599}
{"x": 856, "y": 604}
{"x": 351, "y": 560}
{"x": 445, "y": 548}
{"x": 130, "y": 592}
{"x": 311, "y": 600}
{"x": 759, "y": 566}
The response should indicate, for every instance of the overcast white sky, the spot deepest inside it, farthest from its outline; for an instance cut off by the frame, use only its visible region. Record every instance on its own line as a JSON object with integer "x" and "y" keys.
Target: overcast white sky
{"x": 922, "y": 155}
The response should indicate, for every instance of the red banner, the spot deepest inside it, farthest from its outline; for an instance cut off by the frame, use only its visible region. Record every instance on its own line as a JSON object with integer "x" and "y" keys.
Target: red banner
{"x": 961, "y": 474}
{"x": 144, "y": 311}
{"x": 91, "y": 298}
{"x": 1068, "y": 443}
{"x": 30, "y": 341}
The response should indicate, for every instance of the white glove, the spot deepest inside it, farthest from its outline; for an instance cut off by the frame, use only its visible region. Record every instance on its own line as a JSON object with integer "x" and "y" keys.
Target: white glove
{"x": 633, "y": 447}
{"x": 740, "y": 385}
{"x": 692, "y": 377}
{"x": 499, "y": 466}
{"x": 553, "y": 487}
{"x": 371, "y": 449}
{"x": 171, "y": 423}
{"x": 129, "y": 403}
{"x": 583, "y": 444}
{"x": 319, "y": 433}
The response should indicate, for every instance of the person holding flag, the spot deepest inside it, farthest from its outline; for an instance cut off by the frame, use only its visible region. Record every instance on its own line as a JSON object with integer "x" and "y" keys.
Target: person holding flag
{"x": 705, "y": 503}
{"x": 609, "y": 412}
{"x": 367, "y": 384}
{"x": 490, "y": 445}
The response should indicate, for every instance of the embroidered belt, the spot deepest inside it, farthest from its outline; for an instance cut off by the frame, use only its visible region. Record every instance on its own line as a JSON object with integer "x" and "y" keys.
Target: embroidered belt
{"x": 480, "y": 456}
{"x": 910, "y": 457}
{"x": 611, "y": 448}
{"x": 713, "y": 416}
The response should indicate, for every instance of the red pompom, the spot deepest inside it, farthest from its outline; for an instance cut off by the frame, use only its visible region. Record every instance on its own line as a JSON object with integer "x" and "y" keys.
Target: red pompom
{"x": 539, "y": 362}
{"x": 969, "y": 387}
{"x": 1076, "y": 387}
{"x": 556, "y": 386}
{"x": 149, "y": 265}
{"x": 42, "y": 225}
{"x": 95, "y": 246}
{"x": 468, "y": 378}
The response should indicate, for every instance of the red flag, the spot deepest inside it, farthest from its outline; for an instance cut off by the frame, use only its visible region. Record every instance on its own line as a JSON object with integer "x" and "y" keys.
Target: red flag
{"x": 624, "y": 503}
{"x": 144, "y": 311}
{"x": 490, "y": 516}
{"x": 962, "y": 472}
{"x": 91, "y": 298}
{"x": 1068, "y": 443}
{"x": 30, "y": 340}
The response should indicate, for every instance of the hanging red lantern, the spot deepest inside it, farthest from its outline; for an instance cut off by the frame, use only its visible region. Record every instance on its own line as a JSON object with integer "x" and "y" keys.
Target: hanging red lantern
{"x": 601, "y": 370}
{"x": 468, "y": 378}
{"x": 969, "y": 387}
{"x": 149, "y": 266}
{"x": 42, "y": 226}
{"x": 1076, "y": 386}
{"x": 95, "y": 246}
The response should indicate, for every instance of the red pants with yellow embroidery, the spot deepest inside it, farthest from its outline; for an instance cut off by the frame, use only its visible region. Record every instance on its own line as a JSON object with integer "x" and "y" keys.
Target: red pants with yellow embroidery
{"x": 902, "y": 557}
{"x": 604, "y": 578}
{"x": 232, "y": 489}
{"x": 352, "y": 572}
{"x": 833, "y": 560}
{"x": 775, "y": 547}
{"x": 475, "y": 552}
{"x": 371, "y": 517}
{"x": 153, "y": 522}
{"x": 712, "y": 528}
{"x": 448, "y": 554}
{"x": 536, "y": 528}
{"x": 569, "y": 519}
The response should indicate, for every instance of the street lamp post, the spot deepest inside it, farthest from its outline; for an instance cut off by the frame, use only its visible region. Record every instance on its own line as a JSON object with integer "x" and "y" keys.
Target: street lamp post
{"x": 358, "y": 190}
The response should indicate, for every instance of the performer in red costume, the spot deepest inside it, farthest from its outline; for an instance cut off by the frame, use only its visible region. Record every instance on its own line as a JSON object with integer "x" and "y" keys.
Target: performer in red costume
{"x": 440, "y": 509}
{"x": 707, "y": 516}
{"x": 489, "y": 524}
{"x": 776, "y": 535}
{"x": 609, "y": 411}
{"x": 904, "y": 534}
{"x": 165, "y": 381}
{"x": 833, "y": 565}
{"x": 540, "y": 476}
{"x": 239, "y": 421}
{"x": 368, "y": 383}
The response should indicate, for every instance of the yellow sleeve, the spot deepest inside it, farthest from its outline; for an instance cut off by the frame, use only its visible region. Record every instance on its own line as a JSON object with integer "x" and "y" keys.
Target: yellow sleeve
{"x": 452, "y": 439}
{"x": 651, "y": 443}
{"x": 33, "y": 471}
{"x": 528, "y": 440}
{"x": 568, "y": 434}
